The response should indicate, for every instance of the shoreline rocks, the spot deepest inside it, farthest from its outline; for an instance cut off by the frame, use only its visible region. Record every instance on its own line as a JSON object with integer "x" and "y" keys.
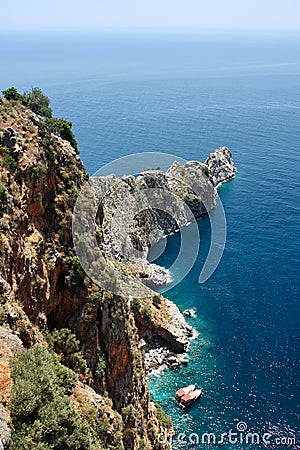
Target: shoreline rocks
{"x": 161, "y": 354}
{"x": 153, "y": 275}
{"x": 159, "y": 357}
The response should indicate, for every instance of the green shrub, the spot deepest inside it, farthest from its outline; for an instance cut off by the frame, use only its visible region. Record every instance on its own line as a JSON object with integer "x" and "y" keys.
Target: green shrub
{"x": 101, "y": 366}
{"x": 131, "y": 417}
{"x": 146, "y": 312}
{"x": 156, "y": 301}
{"x": 76, "y": 274}
{"x": 43, "y": 415}
{"x": 38, "y": 377}
{"x": 135, "y": 303}
{"x": 97, "y": 298}
{"x": 205, "y": 170}
{"x": 38, "y": 170}
{"x": 63, "y": 128}
{"x": 13, "y": 94}
{"x": 164, "y": 420}
{"x": 27, "y": 438}
{"x": 65, "y": 344}
{"x": 3, "y": 199}
{"x": 102, "y": 428}
{"x": 38, "y": 102}
{"x": 31, "y": 129}
{"x": 110, "y": 279}
{"x": 9, "y": 162}
{"x": 107, "y": 296}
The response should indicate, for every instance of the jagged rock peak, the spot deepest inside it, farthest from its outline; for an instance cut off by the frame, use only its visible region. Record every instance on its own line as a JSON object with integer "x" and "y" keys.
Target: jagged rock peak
{"x": 221, "y": 166}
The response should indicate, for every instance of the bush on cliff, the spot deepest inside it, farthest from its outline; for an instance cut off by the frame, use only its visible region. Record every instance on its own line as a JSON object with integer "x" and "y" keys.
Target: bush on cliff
{"x": 42, "y": 413}
{"x": 76, "y": 273}
{"x": 65, "y": 344}
{"x": 3, "y": 199}
{"x": 63, "y": 128}
{"x": 38, "y": 102}
{"x": 9, "y": 162}
{"x": 13, "y": 94}
{"x": 146, "y": 312}
{"x": 164, "y": 420}
{"x": 34, "y": 99}
{"x": 205, "y": 170}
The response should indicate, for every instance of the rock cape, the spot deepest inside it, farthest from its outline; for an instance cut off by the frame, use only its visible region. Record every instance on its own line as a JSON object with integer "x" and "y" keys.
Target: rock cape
{"x": 136, "y": 213}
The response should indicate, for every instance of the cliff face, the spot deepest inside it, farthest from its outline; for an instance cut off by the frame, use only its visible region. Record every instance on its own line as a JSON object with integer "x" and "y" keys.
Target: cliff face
{"x": 42, "y": 285}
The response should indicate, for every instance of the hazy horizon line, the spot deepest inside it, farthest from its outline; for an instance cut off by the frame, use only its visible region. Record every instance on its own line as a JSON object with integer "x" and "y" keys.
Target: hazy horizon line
{"x": 148, "y": 29}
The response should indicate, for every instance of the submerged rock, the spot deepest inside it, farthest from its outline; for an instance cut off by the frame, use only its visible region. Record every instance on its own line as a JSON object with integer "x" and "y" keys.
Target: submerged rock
{"x": 190, "y": 313}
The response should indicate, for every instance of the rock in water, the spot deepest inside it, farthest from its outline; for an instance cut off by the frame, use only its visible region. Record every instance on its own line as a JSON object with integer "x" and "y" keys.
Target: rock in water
{"x": 221, "y": 166}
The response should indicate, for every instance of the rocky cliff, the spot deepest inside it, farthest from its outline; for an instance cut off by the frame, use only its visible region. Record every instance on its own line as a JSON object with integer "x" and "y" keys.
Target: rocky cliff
{"x": 43, "y": 287}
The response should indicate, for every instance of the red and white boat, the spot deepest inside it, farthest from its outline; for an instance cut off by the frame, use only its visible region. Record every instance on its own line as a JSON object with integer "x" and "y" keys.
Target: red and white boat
{"x": 190, "y": 398}
{"x": 184, "y": 391}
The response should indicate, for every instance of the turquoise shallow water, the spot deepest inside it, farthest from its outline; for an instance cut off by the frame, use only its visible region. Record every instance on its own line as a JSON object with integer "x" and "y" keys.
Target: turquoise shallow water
{"x": 188, "y": 94}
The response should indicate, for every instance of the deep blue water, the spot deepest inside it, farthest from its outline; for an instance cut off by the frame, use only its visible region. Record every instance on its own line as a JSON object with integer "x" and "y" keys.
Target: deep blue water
{"x": 188, "y": 93}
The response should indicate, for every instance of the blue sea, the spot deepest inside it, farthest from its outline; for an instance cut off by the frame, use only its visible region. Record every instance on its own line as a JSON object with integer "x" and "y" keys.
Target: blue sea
{"x": 187, "y": 93}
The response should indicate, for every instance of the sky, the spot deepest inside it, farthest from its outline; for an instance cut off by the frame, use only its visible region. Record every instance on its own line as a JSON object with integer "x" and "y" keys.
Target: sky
{"x": 98, "y": 14}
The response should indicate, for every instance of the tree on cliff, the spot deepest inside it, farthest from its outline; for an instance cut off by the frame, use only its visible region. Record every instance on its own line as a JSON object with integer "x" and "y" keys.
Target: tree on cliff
{"x": 38, "y": 102}
{"x": 63, "y": 128}
{"x": 34, "y": 99}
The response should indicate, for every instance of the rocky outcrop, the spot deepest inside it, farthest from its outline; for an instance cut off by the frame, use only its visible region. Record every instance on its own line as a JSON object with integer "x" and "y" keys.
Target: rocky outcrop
{"x": 136, "y": 213}
{"x": 220, "y": 165}
{"x": 168, "y": 327}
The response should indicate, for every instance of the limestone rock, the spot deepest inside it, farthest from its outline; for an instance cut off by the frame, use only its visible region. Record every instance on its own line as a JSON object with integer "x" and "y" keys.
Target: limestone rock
{"x": 221, "y": 166}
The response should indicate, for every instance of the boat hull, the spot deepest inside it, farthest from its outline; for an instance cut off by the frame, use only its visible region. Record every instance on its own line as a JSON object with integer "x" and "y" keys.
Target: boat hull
{"x": 188, "y": 399}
